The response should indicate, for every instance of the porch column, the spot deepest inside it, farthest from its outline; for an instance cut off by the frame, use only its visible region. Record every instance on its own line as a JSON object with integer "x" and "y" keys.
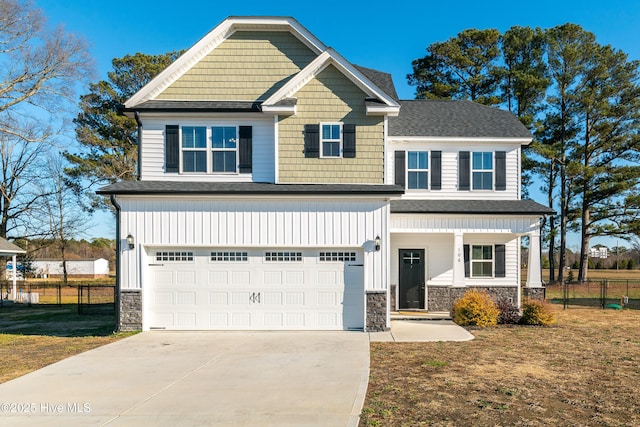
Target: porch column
{"x": 534, "y": 274}
{"x": 458, "y": 259}
{"x": 14, "y": 267}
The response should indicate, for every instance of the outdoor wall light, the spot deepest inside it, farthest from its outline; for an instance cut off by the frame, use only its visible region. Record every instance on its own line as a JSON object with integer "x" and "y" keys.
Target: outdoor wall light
{"x": 130, "y": 241}
{"x": 377, "y": 243}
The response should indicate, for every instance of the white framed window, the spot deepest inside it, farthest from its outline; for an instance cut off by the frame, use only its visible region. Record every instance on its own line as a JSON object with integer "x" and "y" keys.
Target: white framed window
{"x": 418, "y": 170}
{"x": 174, "y": 256}
{"x": 337, "y": 256}
{"x": 330, "y": 139}
{"x": 194, "y": 149}
{"x": 482, "y": 170}
{"x": 229, "y": 256}
{"x": 283, "y": 256}
{"x": 224, "y": 149}
{"x": 482, "y": 260}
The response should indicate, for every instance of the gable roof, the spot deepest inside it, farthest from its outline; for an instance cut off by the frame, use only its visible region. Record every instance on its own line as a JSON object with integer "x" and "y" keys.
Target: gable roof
{"x": 374, "y": 84}
{"x": 462, "y": 119}
{"x": 381, "y": 79}
{"x": 386, "y": 105}
{"x": 212, "y": 40}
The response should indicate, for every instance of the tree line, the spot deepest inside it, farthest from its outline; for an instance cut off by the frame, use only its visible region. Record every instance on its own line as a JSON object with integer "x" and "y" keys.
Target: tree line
{"x": 580, "y": 100}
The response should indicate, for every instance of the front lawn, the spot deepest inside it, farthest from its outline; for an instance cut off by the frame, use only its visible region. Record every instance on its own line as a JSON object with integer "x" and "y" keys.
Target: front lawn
{"x": 583, "y": 371}
{"x": 36, "y": 336}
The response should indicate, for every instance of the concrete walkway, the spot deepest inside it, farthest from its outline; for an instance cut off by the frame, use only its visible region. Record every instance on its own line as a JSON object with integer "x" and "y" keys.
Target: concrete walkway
{"x": 199, "y": 378}
{"x": 422, "y": 331}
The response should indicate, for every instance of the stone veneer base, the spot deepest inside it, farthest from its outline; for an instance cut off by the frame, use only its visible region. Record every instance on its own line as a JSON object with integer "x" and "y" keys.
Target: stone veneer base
{"x": 376, "y": 311}
{"x": 441, "y": 298}
{"x": 130, "y": 310}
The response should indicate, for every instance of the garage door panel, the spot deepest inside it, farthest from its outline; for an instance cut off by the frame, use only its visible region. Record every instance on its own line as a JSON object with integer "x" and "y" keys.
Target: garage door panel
{"x": 255, "y": 289}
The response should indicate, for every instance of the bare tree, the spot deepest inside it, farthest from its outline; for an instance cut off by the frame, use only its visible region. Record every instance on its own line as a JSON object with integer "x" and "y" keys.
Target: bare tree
{"x": 41, "y": 70}
{"x": 61, "y": 211}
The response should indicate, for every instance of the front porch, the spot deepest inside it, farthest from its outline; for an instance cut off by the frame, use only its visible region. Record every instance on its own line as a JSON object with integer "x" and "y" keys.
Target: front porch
{"x": 434, "y": 260}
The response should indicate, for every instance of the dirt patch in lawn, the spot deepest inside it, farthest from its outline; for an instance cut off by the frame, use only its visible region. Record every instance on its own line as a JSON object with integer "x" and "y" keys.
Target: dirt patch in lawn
{"x": 583, "y": 371}
{"x": 36, "y": 336}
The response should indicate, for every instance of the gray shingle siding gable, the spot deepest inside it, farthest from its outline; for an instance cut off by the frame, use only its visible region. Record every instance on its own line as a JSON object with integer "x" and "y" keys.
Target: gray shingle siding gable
{"x": 445, "y": 118}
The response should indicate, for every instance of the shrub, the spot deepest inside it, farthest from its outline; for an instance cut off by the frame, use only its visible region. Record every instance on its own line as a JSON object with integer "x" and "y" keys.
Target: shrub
{"x": 536, "y": 312}
{"x": 631, "y": 264}
{"x": 509, "y": 313}
{"x": 475, "y": 308}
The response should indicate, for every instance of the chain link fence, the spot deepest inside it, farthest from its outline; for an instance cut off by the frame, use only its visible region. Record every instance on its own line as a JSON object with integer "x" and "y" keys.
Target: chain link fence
{"x": 89, "y": 297}
{"x": 602, "y": 293}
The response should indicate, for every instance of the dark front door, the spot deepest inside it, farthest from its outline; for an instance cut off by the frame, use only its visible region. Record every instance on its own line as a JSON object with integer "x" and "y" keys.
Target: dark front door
{"x": 411, "y": 278}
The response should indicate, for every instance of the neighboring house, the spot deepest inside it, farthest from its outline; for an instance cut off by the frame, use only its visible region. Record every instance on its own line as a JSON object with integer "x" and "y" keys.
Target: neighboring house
{"x": 599, "y": 252}
{"x": 77, "y": 268}
{"x": 282, "y": 187}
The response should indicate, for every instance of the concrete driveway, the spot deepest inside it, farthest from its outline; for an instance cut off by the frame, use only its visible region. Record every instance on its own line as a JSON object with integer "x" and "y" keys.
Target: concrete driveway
{"x": 199, "y": 378}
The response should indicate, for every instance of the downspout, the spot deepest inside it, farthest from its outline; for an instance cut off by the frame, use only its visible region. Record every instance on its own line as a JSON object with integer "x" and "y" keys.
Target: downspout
{"x": 136, "y": 115}
{"x": 118, "y": 244}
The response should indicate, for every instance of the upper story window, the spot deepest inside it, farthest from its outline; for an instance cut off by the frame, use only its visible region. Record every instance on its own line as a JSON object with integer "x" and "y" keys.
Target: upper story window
{"x": 224, "y": 148}
{"x": 213, "y": 150}
{"x": 418, "y": 170}
{"x": 331, "y": 139}
{"x": 482, "y": 170}
{"x": 194, "y": 149}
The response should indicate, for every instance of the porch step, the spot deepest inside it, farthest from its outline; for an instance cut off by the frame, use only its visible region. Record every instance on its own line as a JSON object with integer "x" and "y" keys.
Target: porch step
{"x": 420, "y": 315}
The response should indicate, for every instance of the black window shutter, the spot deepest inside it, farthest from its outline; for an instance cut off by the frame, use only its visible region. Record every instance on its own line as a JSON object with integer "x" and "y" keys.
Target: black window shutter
{"x": 399, "y": 167}
{"x": 348, "y": 141}
{"x": 467, "y": 263}
{"x": 171, "y": 149}
{"x": 500, "y": 261}
{"x": 245, "y": 148}
{"x": 312, "y": 141}
{"x": 464, "y": 170}
{"x": 501, "y": 170}
{"x": 436, "y": 170}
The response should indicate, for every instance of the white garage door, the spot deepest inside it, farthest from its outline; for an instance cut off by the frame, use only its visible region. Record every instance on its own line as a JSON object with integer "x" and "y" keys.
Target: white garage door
{"x": 256, "y": 289}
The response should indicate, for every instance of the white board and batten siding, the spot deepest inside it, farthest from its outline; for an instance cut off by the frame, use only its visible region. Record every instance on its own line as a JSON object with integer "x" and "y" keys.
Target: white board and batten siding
{"x": 153, "y": 156}
{"x": 304, "y": 292}
{"x": 450, "y": 150}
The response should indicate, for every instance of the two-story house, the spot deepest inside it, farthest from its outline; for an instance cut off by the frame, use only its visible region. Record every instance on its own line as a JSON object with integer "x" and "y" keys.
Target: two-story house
{"x": 282, "y": 187}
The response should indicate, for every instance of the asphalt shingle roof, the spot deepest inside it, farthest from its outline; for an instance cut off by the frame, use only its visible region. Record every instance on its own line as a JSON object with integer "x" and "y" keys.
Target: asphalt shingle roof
{"x": 486, "y": 207}
{"x": 381, "y": 79}
{"x": 9, "y": 248}
{"x": 239, "y": 188}
{"x": 196, "y": 106}
{"x": 446, "y": 118}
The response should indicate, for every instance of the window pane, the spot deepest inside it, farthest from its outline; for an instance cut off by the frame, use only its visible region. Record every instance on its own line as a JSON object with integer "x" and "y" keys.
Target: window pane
{"x": 418, "y": 180}
{"x": 481, "y": 269}
{"x": 194, "y": 161}
{"x": 476, "y": 252}
{"x": 477, "y": 161}
{"x": 487, "y": 252}
{"x": 194, "y": 137}
{"x": 330, "y": 131}
{"x": 487, "y": 160}
{"x": 223, "y": 137}
{"x": 331, "y": 149}
{"x": 482, "y": 181}
{"x": 482, "y": 160}
{"x": 418, "y": 160}
{"x": 224, "y": 161}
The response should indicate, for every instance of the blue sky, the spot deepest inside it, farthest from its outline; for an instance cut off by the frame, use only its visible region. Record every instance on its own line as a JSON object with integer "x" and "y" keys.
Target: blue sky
{"x": 385, "y": 35}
